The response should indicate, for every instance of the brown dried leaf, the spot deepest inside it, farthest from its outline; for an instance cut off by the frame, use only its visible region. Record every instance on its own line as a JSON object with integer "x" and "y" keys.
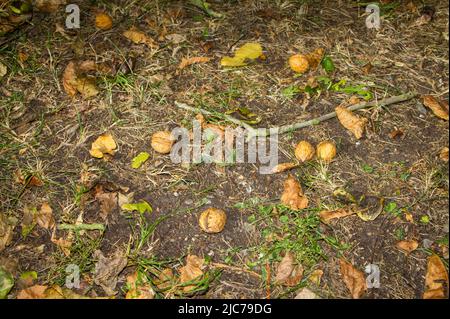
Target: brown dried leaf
{"x": 108, "y": 201}
{"x": 283, "y": 167}
{"x": 108, "y": 269}
{"x": 407, "y": 246}
{"x": 139, "y": 288}
{"x": 185, "y": 62}
{"x": 33, "y": 292}
{"x": 327, "y": 215}
{"x": 443, "y": 154}
{"x": 191, "y": 271}
{"x": 138, "y": 37}
{"x": 305, "y": 293}
{"x": 351, "y": 122}
{"x": 354, "y": 279}
{"x": 293, "y": 196}
{"x": 63, "y": 244}
{"x": 76, "y": 81}
{"x": 436, "y": 279}
{"x": 314, "y": 58}
{"x": 48, "y": 6}
{"x": 439, "y": 108}
{"x": 6, "y": 232}
{"x": 44, "y": 217}
{"x": 288, "y": 273}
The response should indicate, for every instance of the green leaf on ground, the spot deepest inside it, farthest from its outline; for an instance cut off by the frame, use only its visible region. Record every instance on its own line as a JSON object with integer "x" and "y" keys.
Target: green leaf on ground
{"x": 141, "y": 207}
{"x": 140, "y": 159}
{"x": 6, "y": 283}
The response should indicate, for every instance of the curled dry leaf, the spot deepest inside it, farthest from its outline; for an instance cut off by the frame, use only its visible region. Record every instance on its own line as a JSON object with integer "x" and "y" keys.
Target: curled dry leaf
{"x": 76, "y": 81}
{"x": 407, "y": 246}
{"x": 443, "y": 155}
{"x": 327, "y": 215}
{"x": 138, "y": 37}
{"x": 354, "y": 279}
{"x": 191, "y": 271}
{"x": 293, "y": 196}
{"x": 439, "y": 108}
{"x": 6, "y": 231}
{"x": 108, "y": 269}
{"x": 104, "y": 144}
{"x": 283, "y": 167}
{"x": 304, "y": 151}
{"x": 436, "y": 279}
{"x": 45, "y": 292}
{"x": 45, "y": 217}
{"x": 326, "y": 151}
{"x": 103, "y": 21}
{"x": 108, "y": 201}
{"x": 33, "y": 292}
{"x": 288, "y": 273}
{"x": 212, "y": 220}
{"x": 185, "y": 62}
{"x": 162, "y": 142}
{"x": 350, "y": 121}
{"x": 299, "y": 63}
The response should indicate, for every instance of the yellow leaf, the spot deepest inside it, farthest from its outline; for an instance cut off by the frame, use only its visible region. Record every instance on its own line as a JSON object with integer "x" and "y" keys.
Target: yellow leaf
{"x": 103, "y": 21}
{"x": 249, "y": 51}
{"x": 407, "y": 246}
{"x": 104, "y": 144}
{"x": 351, "y": 122}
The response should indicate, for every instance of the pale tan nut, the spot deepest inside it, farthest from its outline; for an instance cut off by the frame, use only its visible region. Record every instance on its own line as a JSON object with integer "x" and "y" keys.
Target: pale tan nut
{"x": 326, "y": 151}
{"x": 162, "y": 142}
{"x": 212, "y": 220}
{"x": 103, "y": 21}
{"x": 299, "y": 63}
{"x": 304, "y": 151}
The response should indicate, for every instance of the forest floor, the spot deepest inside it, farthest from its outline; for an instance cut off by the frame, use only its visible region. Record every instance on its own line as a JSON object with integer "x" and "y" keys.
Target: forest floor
{"x": 48, "y": 176}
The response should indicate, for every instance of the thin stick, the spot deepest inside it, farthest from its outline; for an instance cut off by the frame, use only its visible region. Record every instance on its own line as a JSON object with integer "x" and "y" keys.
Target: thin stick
{"x": 81, "y": 227}
{"x": 224, "y": 266}
{"x": 296, "y": 126}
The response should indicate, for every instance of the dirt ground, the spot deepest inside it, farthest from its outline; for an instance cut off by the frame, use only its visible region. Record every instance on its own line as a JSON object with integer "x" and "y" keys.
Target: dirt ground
{"x": 46, "y": 135}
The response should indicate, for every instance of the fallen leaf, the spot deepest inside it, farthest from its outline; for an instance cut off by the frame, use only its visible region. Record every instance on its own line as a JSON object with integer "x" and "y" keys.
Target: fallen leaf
{"x": 350, "y": 121}
{"x": 104, "y": 144}
{"x": 165, "y": 279}
{"x": 191, "y": 271}
{"x": 45, "y": 217}
{"x": 139, "y": 160}
{"x": 3, "y": 70}
{"x": 33, "y": 292}
{"x": 283, "y": 167}
{"x": 369, "y": 207}
{"x": 249, "y": 51}
{"x": 305, "y": 293}
{"x": 108, "y": 201}
{"x": 48, "y": 6}
{"x": 407, "y": 246}
{"x": 63, "y": 244}
{"x": 185, "y": 62}
{"x": 326, "y": 151}
{"x": 293, "y": 196}
{"x": 28, "y": 220}
{"x": 76, "y": 81}
{"x": 103, "y": 21}
{"x": 162, "y": 142}
{"x": 315, "y": 57}
{"x": 327, "y": 215}
{"x": 212, "y": 220}
{"x": 138, "y": 37}
{"x": 396, "y": 133}
{"x": 354, "y": 279}
{"x": 288, "y": 272}
{"x": 439, "y": 108}
{"x": 304, "y": 151}
{"x": 6, "y": 231}
{"x": 27, "y": 279}
{"x": 141, "y": 207}
{"x": 6, "y": 282}
{"x": 436, "y": 279}
{"x": 108, "y": 269}
{"x": 443, "y": 154}
{"x": 139, "y": 288}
